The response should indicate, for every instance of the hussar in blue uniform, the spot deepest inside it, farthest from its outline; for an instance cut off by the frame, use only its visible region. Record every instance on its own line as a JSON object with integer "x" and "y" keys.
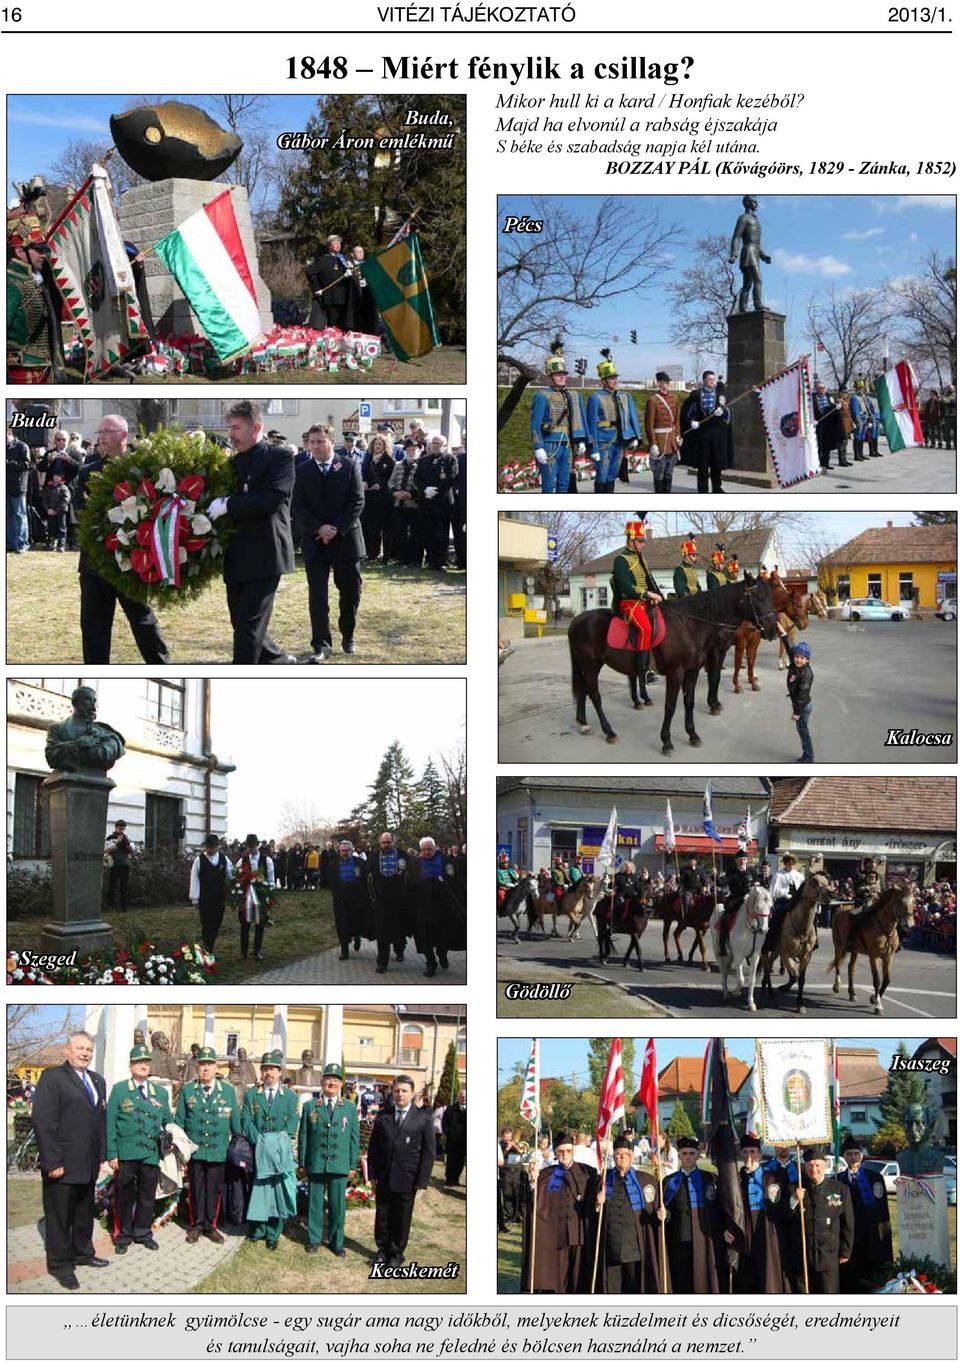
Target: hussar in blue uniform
{"x": 137, "y": 1112}
{"x": 557, "y": 424}
{"x": 612, "y": 424}
{"x": 269, "y": 1117}
{"x": 207, "y": 1111}
{"x": 329, "y": 1147}
{"x": 862, "y": 422}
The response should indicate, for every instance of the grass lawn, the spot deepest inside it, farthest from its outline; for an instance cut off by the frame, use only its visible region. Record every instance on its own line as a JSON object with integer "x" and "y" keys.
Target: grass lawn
{"x": 304, "y": 926}
{"x": 587, "y": 999}
{"x": 437, "y": 1236}
{"x": 445, "y": 364}
{"x": 406, "y": 616}
{"x": 24, "y": 1200}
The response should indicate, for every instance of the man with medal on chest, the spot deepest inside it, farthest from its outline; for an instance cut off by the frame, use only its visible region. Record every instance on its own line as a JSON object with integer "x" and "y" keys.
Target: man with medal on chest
{"x": 872, "y": 1238}
{"x": 207, "y": 1112}
{"x": 391, "y": 892}
{"x": 693, "y": 1224}
{"x": 613, "y": 426}
{"x": 707, "y": 434}
{"x": 766, "y": 1197}
{"x": 557, "y": 423}
{"x": 137, "y": 1112}
{"x": 329, "y": 1147}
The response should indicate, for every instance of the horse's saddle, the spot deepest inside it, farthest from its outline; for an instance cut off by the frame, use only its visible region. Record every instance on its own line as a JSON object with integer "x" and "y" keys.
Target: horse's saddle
{"x": 727, "y": 921}
{"x": 645, "y": 631}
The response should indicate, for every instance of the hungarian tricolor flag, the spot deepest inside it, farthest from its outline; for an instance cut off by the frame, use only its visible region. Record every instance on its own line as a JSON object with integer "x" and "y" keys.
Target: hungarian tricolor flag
{"x": 398, "y": 282}
{"x": 206, "y": 257}
{"x": 95, "y": 278}
{"x": 610, "y": 1109}
{"x": 896, "y": 392}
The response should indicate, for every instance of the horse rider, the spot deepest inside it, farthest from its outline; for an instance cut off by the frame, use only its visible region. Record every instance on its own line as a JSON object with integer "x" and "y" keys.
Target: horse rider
{"x": 575, "y": 869}
{"x": 685, "y": 580}
{"x": 558, "y": 424}
{"x": 739, "y": 883}
{"x": 692, "y": 884}
{"x": 867, "y": 886}
{"x": 716, "y": 574}
{"x": 559, "y": 876}
{"x": 508, "y": 875}
{"x": 635, "y": 591}
{"x": 785, "y": 884}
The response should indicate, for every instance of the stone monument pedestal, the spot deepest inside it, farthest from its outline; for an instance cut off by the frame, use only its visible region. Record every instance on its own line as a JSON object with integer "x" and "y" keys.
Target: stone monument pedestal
{"x": 149, "y": 211}
{"x": 78, "y": 822}
{"x": 756, "y": 350}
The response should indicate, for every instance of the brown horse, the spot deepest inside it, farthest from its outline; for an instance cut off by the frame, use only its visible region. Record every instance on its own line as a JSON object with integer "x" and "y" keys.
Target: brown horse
{"x": 874, "y": 933}
{"x": 792, "y": 938}
{"x": 680, "y": 912}
{"x": 573, "y": 904}
{"x": 790, "y": 604}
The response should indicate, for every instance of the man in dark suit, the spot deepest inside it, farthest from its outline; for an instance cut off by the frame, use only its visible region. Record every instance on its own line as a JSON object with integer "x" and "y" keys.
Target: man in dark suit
{"x": 327, "y": 505}
{"x": 331, "y": 281}
{"x": 261, "y": 548}
{"x": 69, "y": 1122}
{"x": 403, "y": 1147}
{"x": 98, "y": 599}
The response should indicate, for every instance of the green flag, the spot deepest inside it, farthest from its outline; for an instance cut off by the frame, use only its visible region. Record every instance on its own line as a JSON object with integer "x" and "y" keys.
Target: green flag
{"x": 398, "y": 282}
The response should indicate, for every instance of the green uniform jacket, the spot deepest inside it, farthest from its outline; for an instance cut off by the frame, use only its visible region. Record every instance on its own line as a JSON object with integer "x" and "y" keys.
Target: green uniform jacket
{"x": 629, "y": 572}
{"x": 209, "y": 1122}
{"x": 258, "y": 1117}
{"x": 134, "y": 1123}
{"x": 507, "y": 876}
{"x": 685, "y": 581}
{"x": 28, "y": 344}
{"x": 329, "y": 1142}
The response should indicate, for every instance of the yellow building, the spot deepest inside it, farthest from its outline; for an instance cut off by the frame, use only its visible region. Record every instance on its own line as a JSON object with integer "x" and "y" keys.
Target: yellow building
{"x": 521, "y": 550}
{"x": 375, "y": 1042}
{"x": 897, "y": 563}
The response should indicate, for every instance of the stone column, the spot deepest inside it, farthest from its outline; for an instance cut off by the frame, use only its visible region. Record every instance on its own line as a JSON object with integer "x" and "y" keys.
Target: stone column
{"x": 756, "y": 350}
{"x": 151, "y": 210}
{"x": 78, "y": 823}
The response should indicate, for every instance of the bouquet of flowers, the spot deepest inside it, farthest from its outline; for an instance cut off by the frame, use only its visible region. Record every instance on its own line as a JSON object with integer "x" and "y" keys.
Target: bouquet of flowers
{"x": 144, "y": 526}
{"x": 23, "y": 974}
{"x": 250, "y": 895}
{"x": 359, "y": 1191}
{"x": 915, "y": 1276}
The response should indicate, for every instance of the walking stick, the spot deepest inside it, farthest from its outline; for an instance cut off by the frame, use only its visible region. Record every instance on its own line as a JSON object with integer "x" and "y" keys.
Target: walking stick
{"x": 596, "y": 1246}
{"x": 803, "y": 1226}
{"x": 663, "y": 1224}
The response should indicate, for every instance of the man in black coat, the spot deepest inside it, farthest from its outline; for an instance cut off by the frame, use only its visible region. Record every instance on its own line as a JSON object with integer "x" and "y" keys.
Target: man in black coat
{"x": 99, "y": 599}
{"x": 391, "y": 897}
{"x": 69, "y": 1122}
{"x": 331, "y": 282}
{"x": 327, "y": 505}
{"x": 454, "y": 1127}
{"x": 400, "y": 1160}
{"x": 707, "y": 434}
{"x": 260, "y": 550}
{"x": 827, "y": 1226}
{"x": 434, "y": 480}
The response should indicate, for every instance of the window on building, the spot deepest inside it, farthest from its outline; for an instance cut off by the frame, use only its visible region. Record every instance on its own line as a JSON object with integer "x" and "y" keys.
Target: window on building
{"x": 843, "y": 586}
{"x": 522, "y": 858}
{"x": 31, "y": 824}
{"x": 206, "y": 411}
{"x": 858, "y": 1115}
{"x": 71, "y": 409}
{"x": 411, "y": 1044}
{"x": 906, "y": 586}
{"x": 461, "y": 1041}
{"x": 564, "y": 841}
{"x": 364, "y": 1040}
{"x": 584, "y": 603}
{"x": 163, "y": 823}
{"x": 165, "y": 703}
{"x": 233, "y": 1043}
{"x": 602, "y": 595}
{"x": 282, "y": 407}
{"x": 875, "y": 585}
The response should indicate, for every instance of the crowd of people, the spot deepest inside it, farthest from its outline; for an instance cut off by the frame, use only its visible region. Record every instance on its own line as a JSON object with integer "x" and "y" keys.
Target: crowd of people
{"x": 240, "y": 1150}
{"x": 584, "y": 1230}
{"x": 389, "y": 500}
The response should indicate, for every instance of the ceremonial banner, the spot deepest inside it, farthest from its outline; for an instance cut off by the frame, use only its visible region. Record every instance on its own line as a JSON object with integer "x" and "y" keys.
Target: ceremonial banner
{"x": 708, "y": 827}
{"x": 206, "y": 257}
{"x": 896, "y": 392}
{"x": 786, "y": 408}
{"x": 922, "y": 1215}
{"x": 95, "y": 279}
{"x": 794, "y": 1091}
{"x": 400, "y": 290}
{"x": 606, "y": 859}
{"x": 530, "y": 1097}
{"x": 669, "y": 833}
{"x": 610, "y": 1108}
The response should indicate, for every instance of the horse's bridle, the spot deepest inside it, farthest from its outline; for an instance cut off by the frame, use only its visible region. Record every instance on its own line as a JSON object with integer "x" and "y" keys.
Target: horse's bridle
{"x": 758, "y": 615}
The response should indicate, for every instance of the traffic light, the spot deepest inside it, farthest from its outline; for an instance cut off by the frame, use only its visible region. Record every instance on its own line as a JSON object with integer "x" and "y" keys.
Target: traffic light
{"x": 633, "y": 337}
{"x": 581, "y": 367}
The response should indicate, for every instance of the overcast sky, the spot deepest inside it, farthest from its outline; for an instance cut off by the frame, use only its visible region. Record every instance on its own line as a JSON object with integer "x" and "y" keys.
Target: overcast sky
{"x": 322, "y": 743}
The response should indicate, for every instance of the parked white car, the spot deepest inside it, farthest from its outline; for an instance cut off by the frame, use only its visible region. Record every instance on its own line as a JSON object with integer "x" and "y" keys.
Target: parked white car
{"x": 872, "y": 608}
{"x": 887, "y": 1169}
{"x": 947, "y": 610}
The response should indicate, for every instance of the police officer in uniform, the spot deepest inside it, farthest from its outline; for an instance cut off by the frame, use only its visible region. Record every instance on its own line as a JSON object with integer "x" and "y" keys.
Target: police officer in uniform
{"x": 329, "y": 1147}
{"x": 613, "y": 426}
{"x": 685, "y": 579}
{"x": 269, "y": 1107}
{"x": 207, "y": 1111}
{"x": 137, "y": 1112}
{"x": 557, "y": 424}
{"x": 828, "y": 1222}
{"x": 872, "y": 1238}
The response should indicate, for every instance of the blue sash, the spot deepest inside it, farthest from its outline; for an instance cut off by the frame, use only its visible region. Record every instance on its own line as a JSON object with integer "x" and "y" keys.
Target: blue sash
{"x": 431, "y": 868}
{"x": 388, "y": 862}
{"x": 755, "y": 1190}
{"x": 347, "y": 870}
{"x": 671, "y": 1187}
{"x": 557, "y": 1180}
{"x": 632, "y": 1184}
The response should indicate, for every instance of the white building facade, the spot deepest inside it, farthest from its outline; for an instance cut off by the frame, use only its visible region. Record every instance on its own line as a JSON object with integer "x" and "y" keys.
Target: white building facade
{"x": 170, "y": 786}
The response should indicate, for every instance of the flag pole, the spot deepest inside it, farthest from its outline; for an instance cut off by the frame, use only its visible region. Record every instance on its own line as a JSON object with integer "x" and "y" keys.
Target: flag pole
{"x": 603, "y": 1207}
{"x": 803, "y": 1226}
{"x": 663, "y": 1224}
{"x": 533, "y": 1229}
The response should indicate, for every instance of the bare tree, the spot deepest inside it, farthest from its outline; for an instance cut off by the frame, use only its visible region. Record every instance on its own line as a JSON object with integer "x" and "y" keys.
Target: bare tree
{"x": 255, "y": 167}
{"x": 819, "y": 556}
{"x": 301, "y": 821}
{"x": 927, "y": 303}
{"x": 703, "y": 296}
{"x": 573, "y": 265}
{"x": 454, "y": 766}
{"x": 31, "y": 1030}
{"x": 77, "y": 157}
{"x": 728, "y": 522}
{"x": 850, "y": 324}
